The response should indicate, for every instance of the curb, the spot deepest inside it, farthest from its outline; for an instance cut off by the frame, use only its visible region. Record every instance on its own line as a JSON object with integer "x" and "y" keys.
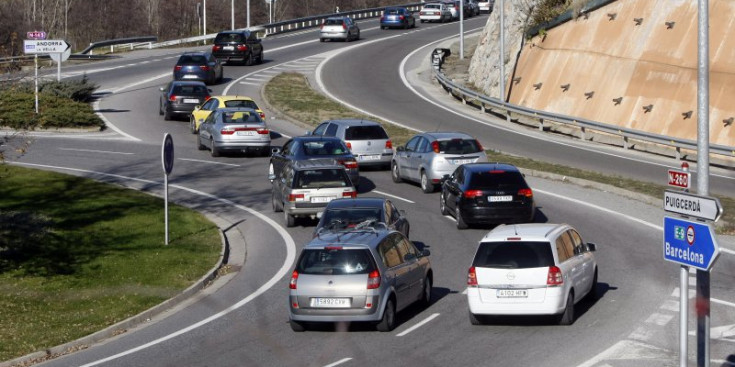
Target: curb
{"x": 136, "y": 320}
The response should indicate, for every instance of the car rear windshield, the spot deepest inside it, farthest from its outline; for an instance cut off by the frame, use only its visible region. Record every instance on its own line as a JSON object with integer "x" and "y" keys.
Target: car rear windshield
{"x": 392, "y": 11}
{"x": 514, "y": 255}
{"x": 317, "y": 148}
{"x": 346, "y": 218}
{"x": 241, "y": 103}
{"x": 370, "y": 132}
{"x": 334, "y": 261}
{"x": 320, "y": 178}
{"x": 432, "y": 6}
{"x": 459, "y": 146}
{"x": 240, "y": 117}
{"x": 495, "y": 180}
{"x": 190, "y": 90}
{"x": 192, "y": 60}
{"x": 333, "y": 22}
{"x": 229, "y": 38}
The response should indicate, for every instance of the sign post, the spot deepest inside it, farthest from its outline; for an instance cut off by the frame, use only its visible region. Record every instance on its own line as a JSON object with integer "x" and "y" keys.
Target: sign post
{"x": 36, "y": 35}
{"x": 167, "y": 160}
{"x": 42, "y": 46}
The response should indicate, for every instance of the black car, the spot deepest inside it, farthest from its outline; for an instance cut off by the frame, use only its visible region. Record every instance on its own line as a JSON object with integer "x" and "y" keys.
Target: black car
{"x": 313, "y": 147}
{"x": 243, "y": 46}
{"x": 487, "y": 193}
{"x": 198, "y": 66}
{"x": 180, "y": 98}
{"x": 348, "y": 214}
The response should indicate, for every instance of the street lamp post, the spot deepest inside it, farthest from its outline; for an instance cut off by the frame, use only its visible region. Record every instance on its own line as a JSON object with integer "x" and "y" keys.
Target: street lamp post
{"x": 232, "y": 14}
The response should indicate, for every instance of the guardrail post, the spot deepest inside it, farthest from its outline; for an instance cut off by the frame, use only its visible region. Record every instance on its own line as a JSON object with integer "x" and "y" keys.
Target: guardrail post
{"x": 678, "y": 153}
{"x": 541, "y": 125}
{"x": 150, "y": 45}
{"x": 112, "y": 48}
{"x": 625, "y": 142}
{"x": 584, "y": 133}
{"x": 484, "y": 108}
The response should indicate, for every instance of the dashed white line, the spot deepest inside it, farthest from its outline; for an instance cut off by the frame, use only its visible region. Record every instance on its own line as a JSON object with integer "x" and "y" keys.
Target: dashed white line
{"x": 95, "y": 151}
{"x": 420, "y": 324}
{"x": 248, "y": 83}
{"x": 343, "y": 360}
{"x": 211, "y": 162}
{"x": 393, "y": 196}
{"x": 659, "y": 319}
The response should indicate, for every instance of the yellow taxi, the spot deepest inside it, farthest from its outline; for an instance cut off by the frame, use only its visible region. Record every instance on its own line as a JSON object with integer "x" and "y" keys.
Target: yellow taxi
{"x": 201, "y": 113}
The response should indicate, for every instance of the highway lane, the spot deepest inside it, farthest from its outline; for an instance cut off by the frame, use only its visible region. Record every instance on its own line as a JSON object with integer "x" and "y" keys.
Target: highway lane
{"x": 257, "y": 333}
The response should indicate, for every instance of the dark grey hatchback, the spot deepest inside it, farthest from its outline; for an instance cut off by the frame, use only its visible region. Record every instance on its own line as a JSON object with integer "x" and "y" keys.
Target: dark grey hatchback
{"x": 345, "y": 214}
{"x": 198, "y": 66}
{"x": 180, "y": 98}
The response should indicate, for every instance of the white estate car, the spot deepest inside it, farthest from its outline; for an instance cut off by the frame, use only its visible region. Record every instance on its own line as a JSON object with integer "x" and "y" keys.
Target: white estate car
{"x": 435, "y": 12}
{"x": 531, "y": 269}
{"x": 486, "y": 6}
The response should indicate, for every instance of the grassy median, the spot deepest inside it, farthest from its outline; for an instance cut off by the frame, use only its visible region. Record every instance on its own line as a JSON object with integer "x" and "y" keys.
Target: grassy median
{"x": 291, "y": 94}
{"x": 77, "y": 256}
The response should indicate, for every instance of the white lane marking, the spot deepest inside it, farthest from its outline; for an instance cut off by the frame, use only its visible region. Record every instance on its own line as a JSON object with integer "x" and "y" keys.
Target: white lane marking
{"x": 343, "y": 360}
{"x": 248, "y": 83}
{"x": 402, "y": 72}
{"x": 393, "y": 196}
{"x": 628, "y": 349}
{"x": 670, "y": 305}
{"x": 210, "y": 162}
{"x": 290, "y": 257}
{"x": 108, "y": 123}
{"x": 723, "y": 362}
{"x": 465, "y": 291}
{"x": 728, "y": 251}
{"x": 148, "y": 80}
{"x": 641, "y": 333}
{"x": 659, "y": 319}
{"x": 420, "y": 324}
{"x": 721, "y": 302}
{"x": 95, "y": 151}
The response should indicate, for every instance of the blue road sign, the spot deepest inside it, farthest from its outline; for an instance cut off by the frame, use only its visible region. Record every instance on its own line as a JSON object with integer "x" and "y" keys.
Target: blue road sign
{"x": 690, "y": 243}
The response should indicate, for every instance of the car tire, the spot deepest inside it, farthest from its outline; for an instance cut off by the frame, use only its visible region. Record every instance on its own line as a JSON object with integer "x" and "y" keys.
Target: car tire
{"x": 321, "y": 40}
{"x": 200, "y": 146}
{"x": 461, "y": 224}
{"x": 297, "y": 326}
{"x": 395, "y": 174}
{"x": 277, "y": 208}
{"x": 426, "y": 294}
{"x": 475, "y": 319}
{"x": 408, "y": 231}
{"x": 383, "y": 27}
{"x": 443, "y": 204}
{"x": 192, "y": 125}
{"x": 426, "y": 186}
{"x": 357, "y": 37}
{"x": 260, "y": 57}
{"x": 290, "y": 219}
{"x": 160, "y": 109}
{"x": 593, "y": 295}
{"x": 249, "y": 61}
{"x": 214, "y": 152}
{"x": 388, "y": 322}
{"x": 422, "y": 20}
{"x": 567, "y": 316}
{"x": 166, "y": 114}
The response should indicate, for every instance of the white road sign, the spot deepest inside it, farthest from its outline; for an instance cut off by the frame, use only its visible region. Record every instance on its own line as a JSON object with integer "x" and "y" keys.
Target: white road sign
{"x": 691, "y": 205}
{"x": 44, "y": 46}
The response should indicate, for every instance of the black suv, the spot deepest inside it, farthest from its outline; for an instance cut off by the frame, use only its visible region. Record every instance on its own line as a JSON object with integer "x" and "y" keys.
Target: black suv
{"x": 243, "y": 46}
{"x": 487, "y": 193}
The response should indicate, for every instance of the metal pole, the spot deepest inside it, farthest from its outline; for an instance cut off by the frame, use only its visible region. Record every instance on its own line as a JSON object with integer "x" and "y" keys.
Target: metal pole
{"x": 204, "y": 14}
{"x": 248, "y": 11}
{"x": 703, "y": 279}
{"x": 461, "y": 30}
{"x": 684, "y": 305}
{"x": 232, "y": 14}
{"x": 35, "y": 60}
{"x": 502, "y": 51}
{"x": 58, "y": 69}
{"x": 165, "y": 194}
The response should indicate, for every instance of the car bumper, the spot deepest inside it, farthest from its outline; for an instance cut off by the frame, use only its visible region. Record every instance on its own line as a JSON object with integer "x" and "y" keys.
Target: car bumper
{"x": 242, "y": 145}
{"x": 553, "y": 304}
{"x": 384, "y": 159}
{"x": 477, "y": 215}
{"x": 304, "y": 209}
{"x": 429, "y": 18}
{"x": 329, "y": 35}
{"x": 391, "y": 24}
{"x": 362, "y": 312}
{"x": 181, "y": 109}
{"x": 227, "y": 56}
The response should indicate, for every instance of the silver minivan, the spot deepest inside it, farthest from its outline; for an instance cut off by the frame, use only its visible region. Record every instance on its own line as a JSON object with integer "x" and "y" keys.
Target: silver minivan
{"x": 428, "y": 157}
{"x": 366, "y": 275}
{"x": 367, "y": 140}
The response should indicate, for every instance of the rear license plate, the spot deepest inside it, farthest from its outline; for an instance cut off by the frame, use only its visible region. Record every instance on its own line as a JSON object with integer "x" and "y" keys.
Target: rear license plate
{"x": 190, "y": 76}
{"x": 228, "y": 48}
{"x": 330, "y": 302}
{"x": 462, "y": 161}
{"x": 373, "y": 157}
{"x": 189, "y": 100}
{"x": 500, "y": 198}
{"x": 512, "y": 293}
{"x": 321, "y": 199}
{"x": 246, "y": 133}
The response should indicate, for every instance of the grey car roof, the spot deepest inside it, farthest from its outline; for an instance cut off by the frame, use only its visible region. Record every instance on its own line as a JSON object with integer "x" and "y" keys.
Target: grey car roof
{"x": 443, "y": 135}
{"x": 368, "y": 237}
{"x": 354, "y": 122}
{"x": 528, "y": 231}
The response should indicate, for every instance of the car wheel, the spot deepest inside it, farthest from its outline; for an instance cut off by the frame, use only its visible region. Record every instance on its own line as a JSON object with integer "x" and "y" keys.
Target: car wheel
{"x": 357, "y": 37}
{"x": 461, "y": 224}
{"x": 290, "y": 219}
{"x": 422, "y": 20}
{"x": 276, "y": 205}
{"x": 249, "y": 60}
{"x": 426, "y": 186}
{"x": 160, "y": 109}
{"x": 192, "y": 125}
{"x": 426, "y": 294}
{"x": 567, "y": 317}
{"x": 593, "y": 295}
{"x": 200, "y": 146}
{"x": 474, "y": 319}
{"x": 260, "y": 57}
{"x": 408, "y": 230}
{"x": 297, "y": 326}
{"x": 321, "y": 40}
{"x": 395, "y": 174}
{"x": 406, "y": 26}
{"x": 443, "y": 204}
{"x": 388, "y": 322}
{"x": 166, "y": 114}
{"x": 383, "y": 27}
{"x": 213, "y": 149}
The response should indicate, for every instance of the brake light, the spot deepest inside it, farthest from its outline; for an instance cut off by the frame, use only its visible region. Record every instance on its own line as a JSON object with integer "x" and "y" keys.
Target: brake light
{"x": 263, "y": 131}
{"x": 216, "y": 48}
{"x": 294, "y": 278}
{"x": 177, "y": 67}
{"x": 344, "y": 26}
{"x": 227, "y": 131}
{"x": 401, "y": 17}
{"x": 204, "y": 67}
{"x": 373, "y": 280}
{"x": 207, "y": 98}
{"x": 388, "y": 145}
{"x": 349, "y": 164}
{"x": 555, "y": 277}
{"x": 332, "y": 248}
{"x": 349, "y": 194}
{"x": 435, "y": 146}
{"x": 295, "y": 197}
{"x": 349, "y": 145}
{"x": 242, "y": 48}
{"x": 479, "y": 145}
{"x": 172, "y": 98}
{"x": 496, "y": 171}
{"x": 513, "y": 239}
{"x": 472, "y": 277}
{"x": 471, "y": 194}
{"x": 262, "y": 115}
{"x": 525, "y": 192}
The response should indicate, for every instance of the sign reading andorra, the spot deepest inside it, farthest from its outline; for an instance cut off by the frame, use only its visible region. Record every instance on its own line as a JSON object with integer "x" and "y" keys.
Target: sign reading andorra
{"x": 44, "y": 46}
{"x": 690, "y": 243}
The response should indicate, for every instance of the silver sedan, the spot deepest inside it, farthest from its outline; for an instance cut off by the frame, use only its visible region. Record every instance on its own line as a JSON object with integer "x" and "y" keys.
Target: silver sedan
{"x": 339, "y": 28}
{"x": 234, "y": 130}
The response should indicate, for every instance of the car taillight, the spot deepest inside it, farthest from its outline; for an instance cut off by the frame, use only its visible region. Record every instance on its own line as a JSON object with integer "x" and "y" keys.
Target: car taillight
{"x": 555, "y": 277}
{"x": 294, "y": 278}
{"x": 295, "y": 197}
{"x": 421, "y": 13}
{"x": 349, "y": 194}
{"x": 207, "y": 98}
{"x": 349, "y": 164}
{"x": 479, "y": 145}
{"x": 344, "y": 26}
{"x": 435, "y": 146}
{"x": 227, "y": 131}
{"x": 216, "y": 48}
{"x": 525, "y": 192}
{"x": 388, "y": 145}
{"x": 401, "y": 17}
{"x": 177, "y": 67}
{"x": 204, "y": 67}
{"x": 262, "y": 115}
{"x": 349, "y": 145}
{"x": 263, "y": 131}
{"x": 471, "y": 194}
{"x": 172, "y": 98}
{"x": 472, "y": 277}
{"x": 321, "y": 26}
{"x": 382, "y": 19}
{"x": 242, "y": 48}
{"x": 373, "y": 280}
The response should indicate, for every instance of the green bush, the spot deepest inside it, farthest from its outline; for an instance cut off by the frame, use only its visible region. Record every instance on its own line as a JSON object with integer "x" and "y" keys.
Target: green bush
{"x": 77, "y": 90}
{"x": 546, "y": 10}
{"x": 17, "y": 111}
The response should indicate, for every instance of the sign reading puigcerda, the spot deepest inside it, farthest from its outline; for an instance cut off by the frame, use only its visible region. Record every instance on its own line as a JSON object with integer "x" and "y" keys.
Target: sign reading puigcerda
{"x": 690, "y": 243}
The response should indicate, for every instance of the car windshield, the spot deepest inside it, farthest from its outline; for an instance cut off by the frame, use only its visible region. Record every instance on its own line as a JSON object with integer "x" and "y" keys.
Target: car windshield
{"x": 392, "y": 12}
{"x": 370, "y": 132}
{"x": 333, "y": 22}
{"x": 334, "y": 261}
{"x": 229, "y": 38}
{"x": 241, "y": 103}
{"x": 495, "y": 179}
{"x": 320, "y": 178}
{"x": 240, "y": 117}
{"x": 432, "y": 6}
{"x": 348, "y": 218}
{"x": 459, "y": 146}
{"x": 317, "y": 148}
{"x": 192, "y": 60}
{"x": 190, "y": 90}
{"x": 514, "y": 255}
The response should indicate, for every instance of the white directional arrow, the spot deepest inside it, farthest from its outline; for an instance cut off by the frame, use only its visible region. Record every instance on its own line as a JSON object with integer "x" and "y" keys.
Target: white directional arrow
{"x": 44, "y": 46}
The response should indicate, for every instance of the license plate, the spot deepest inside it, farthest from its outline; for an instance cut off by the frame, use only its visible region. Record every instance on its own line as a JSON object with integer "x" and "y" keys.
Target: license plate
{"x": 228, "y": 48}
{"x": 330, "y": 302}
{"x": 500, "y": 198}
{"x": 190, "y": 76}
{"x": 512, "y": 293}
{"x": 373, "y": 157}
{"x": 246, "y": 133}
{"x": 461, "y": 161}
{"x": 321, "y": 199}
{"x": 189, "y": 100}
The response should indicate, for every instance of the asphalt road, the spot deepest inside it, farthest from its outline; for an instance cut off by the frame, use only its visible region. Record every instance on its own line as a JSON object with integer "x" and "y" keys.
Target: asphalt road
{"x": 244, "y": 321}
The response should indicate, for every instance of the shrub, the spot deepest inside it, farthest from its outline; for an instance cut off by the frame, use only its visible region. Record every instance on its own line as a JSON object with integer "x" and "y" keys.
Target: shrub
{"x": 17, "y": 111}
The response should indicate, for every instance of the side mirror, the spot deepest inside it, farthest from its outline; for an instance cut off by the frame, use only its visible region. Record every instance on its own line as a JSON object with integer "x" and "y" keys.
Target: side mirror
{"x": 162, "y": 89}
{"x": 400, "y": 148}
{"x": 271, "y": 177}
{"x": 275, "y": 150}
{"x": 445, "y": 178}
{"x": 308, "y": 132}
{"x": 425, "y": 253}
{"x": 197, "y": 108}
{"x": 592, "y": 247}
{"x": 409, "y": 257}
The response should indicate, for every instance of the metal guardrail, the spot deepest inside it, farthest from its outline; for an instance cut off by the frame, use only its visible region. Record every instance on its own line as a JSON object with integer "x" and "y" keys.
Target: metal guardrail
{"x": 128, "y": 40}
{"x": 626, "y": 134}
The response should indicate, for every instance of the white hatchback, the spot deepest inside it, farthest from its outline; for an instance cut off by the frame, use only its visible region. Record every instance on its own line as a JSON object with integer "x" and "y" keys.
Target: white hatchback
{"x": 531, "y": 269}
